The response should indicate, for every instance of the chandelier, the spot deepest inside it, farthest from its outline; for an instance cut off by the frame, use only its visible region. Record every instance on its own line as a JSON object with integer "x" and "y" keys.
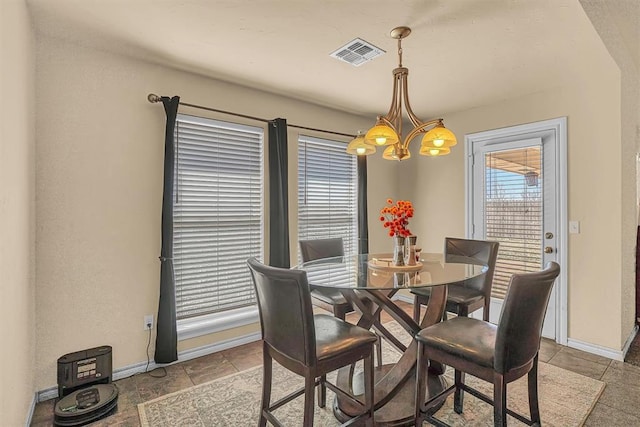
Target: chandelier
{"x": 387, "y": 131}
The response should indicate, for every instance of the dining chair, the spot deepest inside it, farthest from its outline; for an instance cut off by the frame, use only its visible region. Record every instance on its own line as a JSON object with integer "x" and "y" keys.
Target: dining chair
{"x": 329, "y": 299}
{"x": 306, "y": 344}
{"x": 498, "y": 354}
{"x": 470, "y": 295}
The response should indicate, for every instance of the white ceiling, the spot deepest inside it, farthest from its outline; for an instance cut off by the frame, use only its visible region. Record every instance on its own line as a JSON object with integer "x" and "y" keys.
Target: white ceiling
{"x": 460, "y": 54}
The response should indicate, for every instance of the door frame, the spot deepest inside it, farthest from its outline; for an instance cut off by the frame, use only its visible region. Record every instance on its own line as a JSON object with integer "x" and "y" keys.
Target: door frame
{"x": 559, "y": 127}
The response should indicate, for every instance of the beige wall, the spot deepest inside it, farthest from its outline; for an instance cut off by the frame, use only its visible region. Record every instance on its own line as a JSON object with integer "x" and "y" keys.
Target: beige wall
{"x": 99, "y": 173}
{"x": 17, "y": 214}
{"x": 617, "y": 25}
{"x": 99, "y": 187}
{"x": 591, "y": 101}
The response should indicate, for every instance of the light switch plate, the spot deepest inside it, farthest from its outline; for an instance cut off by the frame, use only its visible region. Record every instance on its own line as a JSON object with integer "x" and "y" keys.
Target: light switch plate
{"x": 574, "y": 227}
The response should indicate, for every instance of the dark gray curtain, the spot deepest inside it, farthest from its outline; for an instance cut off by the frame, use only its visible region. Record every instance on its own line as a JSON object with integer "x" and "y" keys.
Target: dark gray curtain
{"x": 363, "y": 221}
{"x": 166, "y": 333}
{"x": 278, "y": 194}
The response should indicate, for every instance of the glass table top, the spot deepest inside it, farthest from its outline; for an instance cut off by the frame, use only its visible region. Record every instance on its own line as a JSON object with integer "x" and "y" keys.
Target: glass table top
{"x": 376, "y": 271}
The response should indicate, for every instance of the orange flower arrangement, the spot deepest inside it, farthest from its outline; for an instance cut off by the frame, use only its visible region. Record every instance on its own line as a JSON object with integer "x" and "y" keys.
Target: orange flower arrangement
{"x": 395, "y": 217}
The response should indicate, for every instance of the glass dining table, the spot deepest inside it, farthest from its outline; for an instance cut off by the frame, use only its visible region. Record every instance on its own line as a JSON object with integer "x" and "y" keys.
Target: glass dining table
{"x": 375, "y": 277}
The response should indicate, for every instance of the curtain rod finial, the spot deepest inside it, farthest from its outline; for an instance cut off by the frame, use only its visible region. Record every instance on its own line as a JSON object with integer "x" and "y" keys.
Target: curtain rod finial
{"x": 152, "y": 97}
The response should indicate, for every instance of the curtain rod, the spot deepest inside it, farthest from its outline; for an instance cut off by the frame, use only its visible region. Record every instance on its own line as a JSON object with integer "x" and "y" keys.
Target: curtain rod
{"x": 153, "y": 98}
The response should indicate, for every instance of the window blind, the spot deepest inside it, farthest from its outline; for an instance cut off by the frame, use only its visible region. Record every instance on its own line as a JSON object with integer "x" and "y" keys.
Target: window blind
{"x": 513, "y": 212}
{"x": 218, "y": 192}
{"x": 327, "y": 192}
{"x": 343, "y": 274}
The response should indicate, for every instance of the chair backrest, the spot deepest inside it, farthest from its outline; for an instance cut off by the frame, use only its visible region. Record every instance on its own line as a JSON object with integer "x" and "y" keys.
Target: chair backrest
{"x": 481, "y": 252}
{"x": 286, "y": 314}
{"x": 523, "y": 310}
{"x": 321, "y": 248}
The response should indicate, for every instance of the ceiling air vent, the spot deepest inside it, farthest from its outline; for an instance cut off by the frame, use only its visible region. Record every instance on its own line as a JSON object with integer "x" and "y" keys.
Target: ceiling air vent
{"x": 357, "y": 52}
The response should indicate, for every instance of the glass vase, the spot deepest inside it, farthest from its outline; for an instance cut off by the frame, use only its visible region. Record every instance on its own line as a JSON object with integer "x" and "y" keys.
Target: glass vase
{"x": 410, "y": 250}
{"x": 398, "y": 250}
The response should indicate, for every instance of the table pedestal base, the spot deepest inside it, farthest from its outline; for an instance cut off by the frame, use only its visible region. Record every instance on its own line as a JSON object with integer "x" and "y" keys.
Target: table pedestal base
{"x": 399, "y": 411}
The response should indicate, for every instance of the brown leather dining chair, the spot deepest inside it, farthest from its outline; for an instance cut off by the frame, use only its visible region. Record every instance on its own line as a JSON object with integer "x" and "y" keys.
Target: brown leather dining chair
{"x": 328, "y": 299}
{"x": 306, "y": 344}
{"x": 464, "y": 298}
{"x": 497, "y": 354}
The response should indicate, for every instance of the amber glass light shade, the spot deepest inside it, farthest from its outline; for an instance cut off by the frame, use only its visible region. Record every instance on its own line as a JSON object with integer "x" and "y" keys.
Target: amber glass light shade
{"x": 381, "y": 134}
{"x": 358, "y": 147}
{"x": 439, "y": 137}
{"x": 434, "y": 151}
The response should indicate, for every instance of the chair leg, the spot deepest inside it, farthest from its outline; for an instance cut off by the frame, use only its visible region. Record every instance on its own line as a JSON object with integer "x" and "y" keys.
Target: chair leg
{"x": 458, "y": 396}
{"x": 532, "y": 381}
{"x": 499, "y": 401}
{"x": 266, "y": 386}
{"x": 485, "y": 311}
{"x": 416, "y": 308}
{"x": 322, "y": 392}
{"x": 309, "y": 386}
{"x": 421, "y": 374}
{"x": 378, "y": 345}
{"x": 368, "y": 388}
{"x": 463, "y": 310}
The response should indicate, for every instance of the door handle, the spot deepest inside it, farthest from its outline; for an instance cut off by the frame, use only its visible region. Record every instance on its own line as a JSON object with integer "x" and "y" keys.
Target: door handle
{"x": 548, "y": 250}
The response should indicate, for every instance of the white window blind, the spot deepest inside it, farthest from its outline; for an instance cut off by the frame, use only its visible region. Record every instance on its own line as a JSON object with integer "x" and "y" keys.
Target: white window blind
{"x": 327, "y": 192}
{"x": 513, "y": 212}
{"x": 217, "y": 218}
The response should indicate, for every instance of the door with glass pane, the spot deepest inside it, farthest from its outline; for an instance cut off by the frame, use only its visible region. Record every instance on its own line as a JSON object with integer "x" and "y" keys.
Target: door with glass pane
{"x": 514, "y": 203}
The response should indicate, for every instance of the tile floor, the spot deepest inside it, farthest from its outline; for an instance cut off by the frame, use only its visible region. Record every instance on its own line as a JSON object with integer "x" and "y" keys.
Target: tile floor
{"x": 619, "y": 404}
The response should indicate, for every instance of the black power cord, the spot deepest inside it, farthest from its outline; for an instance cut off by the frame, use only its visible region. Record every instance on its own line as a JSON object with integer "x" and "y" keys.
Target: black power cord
{"x": 162, "y": 369}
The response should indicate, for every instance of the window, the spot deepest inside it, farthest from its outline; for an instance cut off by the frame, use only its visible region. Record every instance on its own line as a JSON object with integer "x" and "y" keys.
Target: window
{"x": 514, "y": 212}
{"x": 327, "y": 192}
{"x": 218, "y": 209}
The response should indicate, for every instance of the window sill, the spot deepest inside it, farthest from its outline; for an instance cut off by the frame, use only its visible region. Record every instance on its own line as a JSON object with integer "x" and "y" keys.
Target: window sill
{"x": 211, "y": 323}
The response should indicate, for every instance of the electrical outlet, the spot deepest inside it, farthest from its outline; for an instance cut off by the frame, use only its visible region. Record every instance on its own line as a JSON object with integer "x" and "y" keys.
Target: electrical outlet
{"x": 148, "y": 322}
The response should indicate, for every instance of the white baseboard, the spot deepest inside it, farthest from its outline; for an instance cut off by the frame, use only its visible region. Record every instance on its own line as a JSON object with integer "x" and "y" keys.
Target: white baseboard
{"x": 137, "y": 368}
{"x": 403, "y": 297}
{"x": 193, "y": 353}
{"x": 604, "y": 351}
{"x": 630, "y": 339}
{"x": 595, "y": 349}
{"x": 32, "y": 408}
{"x": 46, "y": 394}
